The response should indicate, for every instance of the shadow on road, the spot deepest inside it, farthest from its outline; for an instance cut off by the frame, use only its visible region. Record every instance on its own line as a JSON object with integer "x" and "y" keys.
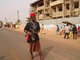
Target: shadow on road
{"x": 2, "y": 57}
{"x": 45, "y": 52}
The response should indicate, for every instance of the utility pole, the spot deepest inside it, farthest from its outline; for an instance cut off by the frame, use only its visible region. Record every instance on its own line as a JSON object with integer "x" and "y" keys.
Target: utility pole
{"x": 5, "y": 20}
{"x": 18, "y": 20}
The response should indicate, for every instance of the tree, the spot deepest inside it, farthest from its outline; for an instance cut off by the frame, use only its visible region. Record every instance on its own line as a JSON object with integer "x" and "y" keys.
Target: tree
{"x": 0, "y": 22}
{"x": 28, "y": 19}
{"x": 18, "y": 22}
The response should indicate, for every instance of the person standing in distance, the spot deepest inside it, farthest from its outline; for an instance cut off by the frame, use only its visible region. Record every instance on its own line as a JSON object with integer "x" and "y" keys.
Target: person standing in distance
{"x": 67, "y": 30}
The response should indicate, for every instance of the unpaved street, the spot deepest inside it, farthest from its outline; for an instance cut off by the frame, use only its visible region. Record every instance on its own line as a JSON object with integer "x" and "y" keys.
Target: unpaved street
{"x": 13, "y": 46}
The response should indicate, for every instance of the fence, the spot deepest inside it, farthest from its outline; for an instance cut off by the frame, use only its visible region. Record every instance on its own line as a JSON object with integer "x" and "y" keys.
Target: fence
{"x": 74, "y": 20}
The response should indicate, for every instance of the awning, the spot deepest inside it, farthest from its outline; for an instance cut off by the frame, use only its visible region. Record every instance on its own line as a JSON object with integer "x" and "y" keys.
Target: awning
{"x": 66, "y": 22}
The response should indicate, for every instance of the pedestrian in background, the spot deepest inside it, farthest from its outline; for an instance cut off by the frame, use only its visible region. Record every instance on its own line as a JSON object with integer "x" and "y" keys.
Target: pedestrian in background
{"x": 66, "y": 29}
{"x": 57, "y": 30}
{"x": 74, "y": 32}
{"x": 42, "y": 29}
{"x": 78, "y": 31}
{"x": 33, "y": 28}
{"x": 71, "y": 32}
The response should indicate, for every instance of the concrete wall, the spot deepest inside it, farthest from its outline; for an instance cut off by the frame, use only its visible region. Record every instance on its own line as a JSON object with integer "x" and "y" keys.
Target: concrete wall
{"x": 74, "y": 20}
{"x": 56, "y": 2}
{"x": 66, "y": 12}
{"x": 40, "y": 8}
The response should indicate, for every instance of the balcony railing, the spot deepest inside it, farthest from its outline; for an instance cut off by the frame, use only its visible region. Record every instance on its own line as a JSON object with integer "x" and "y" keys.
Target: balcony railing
{"x": 56, "y": 2}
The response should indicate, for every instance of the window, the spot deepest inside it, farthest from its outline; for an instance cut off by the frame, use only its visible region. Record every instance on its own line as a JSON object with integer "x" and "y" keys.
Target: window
{"x": 76, "y": 14}
{"x": 41, "y": 4}
{"x": 67, "y": 16}
{"x": 47, "y": 4}
{"x": 53, "y": 0}
{"x": 59, "y": 17}
{"x": 67, "y": 6}
{"x": 54, "y": 18}
{"x": 59, "y": 7}
{"x": 47, "y": 10}
{"x": 76, "y": 4}
{"x": 47, "y": 15}
{"x": 54, "y": 8}
{"x": 40, "y": 12}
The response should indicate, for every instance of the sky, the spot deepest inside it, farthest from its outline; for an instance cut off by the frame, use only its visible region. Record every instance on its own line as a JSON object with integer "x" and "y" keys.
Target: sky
{"x": 8, "y": 9}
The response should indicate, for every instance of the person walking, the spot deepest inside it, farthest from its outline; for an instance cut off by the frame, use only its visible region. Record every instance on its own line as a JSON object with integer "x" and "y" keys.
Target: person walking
{"x": 78, "y": 31}
{"x": 74, "y": 32}
{"x": 71, "y": 32}
{"x": 42, "y": 29}
{"x": 32, "y": 28}
{"x": 66, "y": 29}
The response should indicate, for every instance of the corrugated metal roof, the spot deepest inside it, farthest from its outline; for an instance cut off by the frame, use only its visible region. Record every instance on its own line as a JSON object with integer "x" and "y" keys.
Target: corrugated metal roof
{"x": 35, "y": 2}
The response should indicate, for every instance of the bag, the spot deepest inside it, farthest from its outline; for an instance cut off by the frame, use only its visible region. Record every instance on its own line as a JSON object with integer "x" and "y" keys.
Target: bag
{"x": 27, "y": 37}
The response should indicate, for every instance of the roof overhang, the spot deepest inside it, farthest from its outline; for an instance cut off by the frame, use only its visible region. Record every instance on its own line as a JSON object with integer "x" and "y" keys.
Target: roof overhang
{"x": 35, "y": 2}
{"x": 66, "y": 22}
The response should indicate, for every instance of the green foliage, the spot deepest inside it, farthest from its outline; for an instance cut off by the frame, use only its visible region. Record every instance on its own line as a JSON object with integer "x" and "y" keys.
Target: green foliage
{"x": 18, "y": 22}
{"x": 28, "y": 19}
{"x": 0, "y": 22}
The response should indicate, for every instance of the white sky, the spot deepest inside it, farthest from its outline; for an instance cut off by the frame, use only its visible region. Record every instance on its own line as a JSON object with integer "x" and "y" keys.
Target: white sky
{"x": 8, "y": 9}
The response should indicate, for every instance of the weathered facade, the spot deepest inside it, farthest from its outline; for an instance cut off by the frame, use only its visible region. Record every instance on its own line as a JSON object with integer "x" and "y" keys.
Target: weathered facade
{"x": 54, "y": 9}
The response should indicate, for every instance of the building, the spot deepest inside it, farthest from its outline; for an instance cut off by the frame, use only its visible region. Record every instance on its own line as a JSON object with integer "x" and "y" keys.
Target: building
{"x": 54, "y": 9}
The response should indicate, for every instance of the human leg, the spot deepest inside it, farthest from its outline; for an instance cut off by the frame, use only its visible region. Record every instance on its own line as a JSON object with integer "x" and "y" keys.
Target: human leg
{"x": 75, "y": 36}
{"x": 65, "y": 35}
{"x": 31, "y": 52}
